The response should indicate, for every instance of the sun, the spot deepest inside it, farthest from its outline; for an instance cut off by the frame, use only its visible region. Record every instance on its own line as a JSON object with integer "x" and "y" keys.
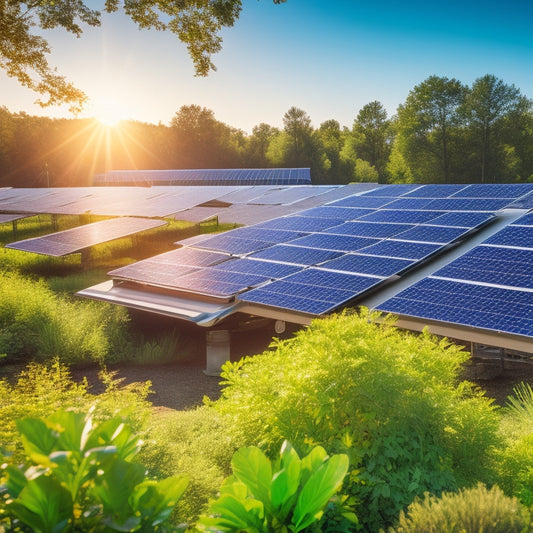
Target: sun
{"x": 109, "y": 112}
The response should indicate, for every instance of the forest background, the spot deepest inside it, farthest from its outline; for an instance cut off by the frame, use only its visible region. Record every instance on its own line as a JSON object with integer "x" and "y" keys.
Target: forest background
{"x": 444, "y": 132}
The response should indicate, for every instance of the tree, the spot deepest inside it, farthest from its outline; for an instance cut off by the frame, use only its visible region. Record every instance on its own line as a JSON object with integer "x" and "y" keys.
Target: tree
{"x": 257, "y": 145}
{"x": 426, "y": 124}
{"x": 331, "y": 138}
{"x": 372, "y": 129}
{"x": 23, "y": 54}
{"x": 491, "y": 109}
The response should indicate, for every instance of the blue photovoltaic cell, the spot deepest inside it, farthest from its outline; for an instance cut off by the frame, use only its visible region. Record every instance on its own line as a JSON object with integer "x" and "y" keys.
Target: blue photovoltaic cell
{"x": 525, "y": 202}
{"x": 516, "y": 236}
{"x": 495, "y": 190}
{"x": 335, "y": 280}
{"x": 491, "y": 264}
{"x": 268, "y": 235}
{"x": 468, "y": 204}
{"x": 402, "y": 249}
{"x": 367, "y": 264}
{"x": 392, "y": 191}
{"x": 261, "y": 268}
{"x": 409, "y": 203}
{"x": 461, "y": 219}
{"x": 287, "y": 301}
{"x": 285, "y": 287}
{"x": 218, "y": 282}
{"x": 341, "y": 213}
{"x": 400, "y": 217}
{"x": 152, "y": 273}
{"x": 526, "y": 220}
{"x": 232, "y": 245}
{"x": 368, "y": 229}
{"x": 296, "y": 255}
{"x": 367, "y": 202}
{"x": 341, "y": 243}
{"x": 438, "y": 234}
{"x": 435, "y": 191}
{"x": 493, "y": 308}
{"x": 189, "y": 257}
{"x": 299, "y": 223}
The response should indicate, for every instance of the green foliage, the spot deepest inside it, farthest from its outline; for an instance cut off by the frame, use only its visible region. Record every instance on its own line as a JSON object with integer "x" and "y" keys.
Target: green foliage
{"x": 84, "y": 476}
{"x": 514, "y": 464}
{"x": 473, "y": 510}
{"x": 391, "y": 400}
{"x": 289, "y": 494}
{"x": 36, "y": 322}
{"x": 196, "y": 444}
{"x": 43, "y": 389}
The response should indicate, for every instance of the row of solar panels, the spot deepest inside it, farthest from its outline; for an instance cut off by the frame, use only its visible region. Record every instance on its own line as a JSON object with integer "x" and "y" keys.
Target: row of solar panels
{"x": 320, "y": 259}
{"x": 236, "y": 176}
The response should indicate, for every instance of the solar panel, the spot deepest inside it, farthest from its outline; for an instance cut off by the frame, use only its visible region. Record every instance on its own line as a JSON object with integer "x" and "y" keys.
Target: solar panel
{"x": 409, "y": 203}
{"x": 153, "y": 273}
{"x": 493, "y": 308}
{"x": 437, "y": 234}
{"x": 435, "y": 191}
{"x": 402, "y": 249}
{"x": 262, "y": 268}
{"x": 365, "y": 201}
{"x": 400, "y": 217}
{"x": 190, "y": 257}
{"x": 392, "y": 191}
{"x": 340, "y": 213}
{"x": 295, "y": 255}
{"x": 368, "y": 264}
{"x": 227, "y": 243}
{"x": 268, "y": 235}
{"x": 341, "y": 243}
{"x": 299, "y": 223}
{"x": 515, "y": 236}
{"x": 526, "y": 220}
{"x": 73, "y": 240}
{"x": 10, "y": 218}
{"x": 495, "y": 190}
{"x": 494, "y": 265}
{"x": 462, "y": 219}
{"x": 468, "y": 204}
{"x": 368, "y": 229}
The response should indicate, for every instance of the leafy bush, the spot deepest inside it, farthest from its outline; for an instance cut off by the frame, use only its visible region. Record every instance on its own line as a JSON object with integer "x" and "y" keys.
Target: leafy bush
{"x": 84, "y": 477}
{"x": 515, "y": 460}
{"x": 36, "y": 322}
{"x": 390, "y": 400}
{"x": 196, "y": 444}
{"x": 289, "y": 494}
{"x": 42, "y": 389}
{"x": 473, "y": 510}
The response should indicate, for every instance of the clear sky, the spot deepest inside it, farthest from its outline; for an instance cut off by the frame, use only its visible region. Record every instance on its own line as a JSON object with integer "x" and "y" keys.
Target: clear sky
{"x": 328, "y": 57}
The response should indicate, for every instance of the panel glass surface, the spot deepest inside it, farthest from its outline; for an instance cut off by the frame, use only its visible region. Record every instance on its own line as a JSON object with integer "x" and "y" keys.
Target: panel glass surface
{"x": 409, "y": 203}
{"x": 400, "y": 217}
{"x": 325, "y": 278}
{"x": 515, "y": 236}
{"x": 468, "y": 204}
{"x": 364, "y": 201}
{"x": 368, "y": 229}
{"x": 462, "y": 219}
{"x": 300, "y": 223}
{"x": 227, "y": 243}
{"x": 495, "y": 190}
{"x": 261, "y": 268}
{"x": 392, "y": 191}
{"x": 437, "y": 234}
{"x": 454, "y": 302}
{"x": 340, "y": 213}
{"x": 402, "y": 249}
{"x": 435, "y": 191}
{"x": 367, "y": 264}
{"x": 296, "y": 255}
{"x": 526, "y": 220}
{"x": 341, "y": 243}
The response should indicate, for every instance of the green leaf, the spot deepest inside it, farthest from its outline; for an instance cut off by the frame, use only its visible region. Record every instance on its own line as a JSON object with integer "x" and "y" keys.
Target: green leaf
{"x": 252, "y": 467}
{"x": 322, "y": 484}
{"x": 312, "y": 461}
{"x": 44, "y": 505}
{"x": 16, "y": 481}
{"x": 38, "y": 439}
{"x": 70, "y": 427}
{"x": 236, "y": 515}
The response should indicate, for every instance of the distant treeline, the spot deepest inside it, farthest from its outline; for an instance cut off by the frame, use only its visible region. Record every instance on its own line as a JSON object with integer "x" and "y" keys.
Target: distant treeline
{"x": 445, "y": 132}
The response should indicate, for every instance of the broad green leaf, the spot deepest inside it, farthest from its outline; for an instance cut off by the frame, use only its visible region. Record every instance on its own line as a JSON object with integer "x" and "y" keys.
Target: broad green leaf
{"x": 312, "y": 461}
{"x": 232, "y": 514}
{"x": 70, "y": 427}
{"x": 16, "y": 481}
{"x": 38, "y": 439}
{"x": 284, "y": 487}
{"x": 44, "y": 505}
{"x": 322, "y": 484}
{"x": 252, "y": 467}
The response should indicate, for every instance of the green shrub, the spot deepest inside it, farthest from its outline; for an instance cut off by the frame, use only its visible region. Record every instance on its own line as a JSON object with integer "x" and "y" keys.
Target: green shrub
{"x": 196, "y": 444}
{"x": 35, "y": 322}
{"x": 514, "y": 462}
{"x": 473, "y": 510}
{"x": 84, "y": 476}
{"x": 288, "y": 494}
{"x": 43, "y": 389}
{"x": 391, "y": 400}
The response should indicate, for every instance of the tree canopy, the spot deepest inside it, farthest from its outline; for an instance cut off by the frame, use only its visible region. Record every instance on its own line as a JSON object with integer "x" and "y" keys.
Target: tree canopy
{"x": 24, "y": 53}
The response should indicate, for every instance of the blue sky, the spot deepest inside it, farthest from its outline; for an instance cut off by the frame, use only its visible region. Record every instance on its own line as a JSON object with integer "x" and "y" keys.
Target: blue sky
{"x": 329, "y": 58}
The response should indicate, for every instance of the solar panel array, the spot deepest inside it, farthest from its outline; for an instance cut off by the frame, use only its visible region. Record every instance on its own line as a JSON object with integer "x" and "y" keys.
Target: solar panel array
{"x": 490, "y": 287}
{"x": 335, "y": 252}
{"x": 76, "y": 239}
{"x": 237, "y": 176}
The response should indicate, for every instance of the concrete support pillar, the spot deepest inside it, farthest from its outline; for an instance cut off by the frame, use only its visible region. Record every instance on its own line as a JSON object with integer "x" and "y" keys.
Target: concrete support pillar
{"x": 217, "y": 350}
